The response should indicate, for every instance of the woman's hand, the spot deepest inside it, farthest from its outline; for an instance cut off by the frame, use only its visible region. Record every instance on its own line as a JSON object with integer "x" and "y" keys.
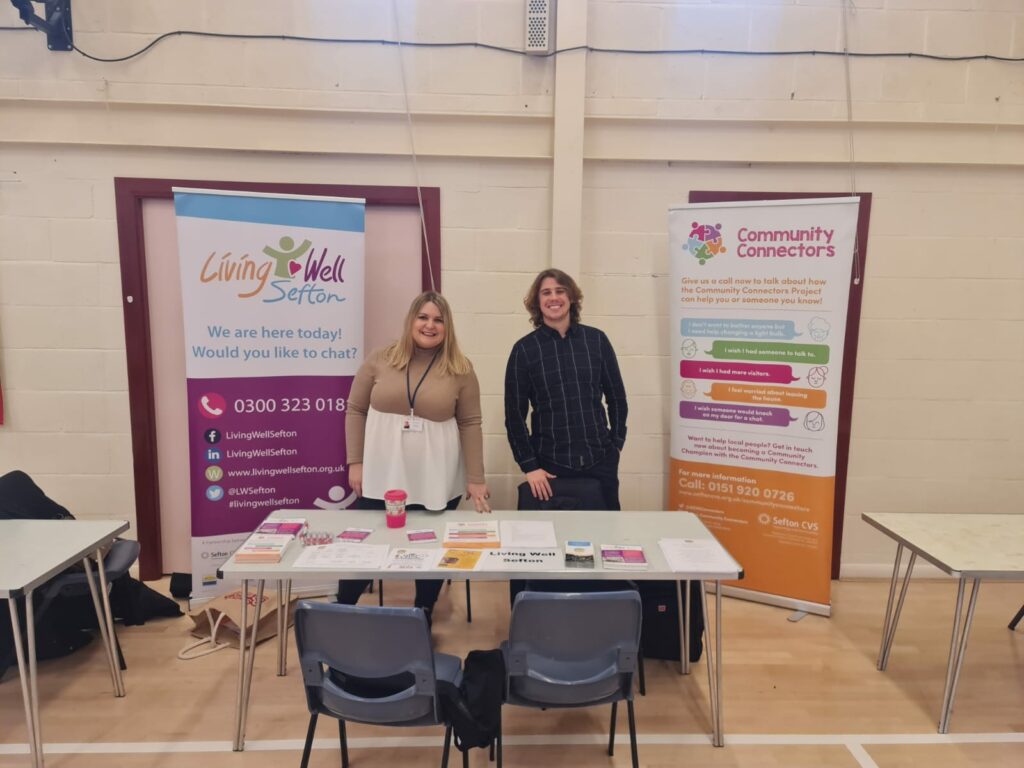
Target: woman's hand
{"x": 479, "y": 494}
{"x": 355, "y": 478}
{"x": 539, "y": 485}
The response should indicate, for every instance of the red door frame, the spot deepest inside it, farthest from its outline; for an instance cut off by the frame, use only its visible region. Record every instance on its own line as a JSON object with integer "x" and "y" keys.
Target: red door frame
{"x": 129, "y": 195}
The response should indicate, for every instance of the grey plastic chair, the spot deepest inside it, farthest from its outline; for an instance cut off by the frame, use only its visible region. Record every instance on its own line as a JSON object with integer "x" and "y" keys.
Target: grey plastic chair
{"x": 370, "y": 665}
{"x": 570, "y": 649}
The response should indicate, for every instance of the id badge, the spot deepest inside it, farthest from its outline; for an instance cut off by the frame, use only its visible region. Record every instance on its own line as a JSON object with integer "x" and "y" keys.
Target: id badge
{"x": 412, "y": 424}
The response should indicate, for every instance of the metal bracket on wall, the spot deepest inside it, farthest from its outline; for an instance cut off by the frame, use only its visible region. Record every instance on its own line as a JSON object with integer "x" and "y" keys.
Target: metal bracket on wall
{"x": 56, "y": 24}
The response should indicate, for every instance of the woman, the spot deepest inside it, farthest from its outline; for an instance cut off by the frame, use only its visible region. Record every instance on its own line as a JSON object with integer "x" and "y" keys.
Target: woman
{"x": 413, "y": 423}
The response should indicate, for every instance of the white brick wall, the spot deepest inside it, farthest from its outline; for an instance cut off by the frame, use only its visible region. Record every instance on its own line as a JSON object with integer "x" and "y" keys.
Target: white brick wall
{"x": 938, "y": 415}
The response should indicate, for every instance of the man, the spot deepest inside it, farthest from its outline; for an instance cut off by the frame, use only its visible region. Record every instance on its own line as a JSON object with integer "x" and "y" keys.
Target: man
{"x": 562, "y": 370}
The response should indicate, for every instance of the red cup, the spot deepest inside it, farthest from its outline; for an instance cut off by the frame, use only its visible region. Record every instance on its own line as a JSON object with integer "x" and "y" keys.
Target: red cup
{"x": 394, "y": 503}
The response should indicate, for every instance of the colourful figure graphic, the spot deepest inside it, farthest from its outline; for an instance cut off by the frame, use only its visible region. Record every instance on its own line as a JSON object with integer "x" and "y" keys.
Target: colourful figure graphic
{"x": 287, "y": 253}
{"x": 817, "y": 375}
{"x": 705, "y": 241}
{"x": 818, "y": 327}
{"x": 689, "y": 348}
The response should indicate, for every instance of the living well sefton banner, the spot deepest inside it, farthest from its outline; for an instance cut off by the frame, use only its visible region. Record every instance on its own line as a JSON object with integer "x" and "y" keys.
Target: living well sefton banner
{"x": 272, "y": 296}
{"x": 759, "y": 302}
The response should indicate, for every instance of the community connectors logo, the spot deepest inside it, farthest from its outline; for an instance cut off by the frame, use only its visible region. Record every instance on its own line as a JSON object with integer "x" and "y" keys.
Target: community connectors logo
{"x": 298, "y": 273}
{"x": 705, "y": 241}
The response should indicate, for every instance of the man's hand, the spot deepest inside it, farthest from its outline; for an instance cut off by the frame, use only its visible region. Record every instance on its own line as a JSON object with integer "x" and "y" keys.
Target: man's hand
{"x": 478, "y": 494}
{"x": 539, "y": 485}
{"x": 355, "y": 478}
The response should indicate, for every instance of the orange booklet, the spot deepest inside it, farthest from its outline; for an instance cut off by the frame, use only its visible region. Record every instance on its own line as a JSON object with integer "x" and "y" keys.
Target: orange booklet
{"x": 459, "y": 559}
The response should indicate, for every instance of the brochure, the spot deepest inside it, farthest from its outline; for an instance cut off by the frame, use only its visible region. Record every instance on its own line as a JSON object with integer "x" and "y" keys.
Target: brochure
{"x": 535, "y": 534}
{"x": 483, "y": 533}
{"x": 354, "y": 535}
{"x": 579, "y": 554}
{"x": 459, "y": 559}
{"x": 422, "y": 535}
{"x": 293, "y": 526}
{"x": 697, "y": 555}
{"x": 621, "y": 556}
{"x": 264, "y": 548}
{"x": 412, "y": 559}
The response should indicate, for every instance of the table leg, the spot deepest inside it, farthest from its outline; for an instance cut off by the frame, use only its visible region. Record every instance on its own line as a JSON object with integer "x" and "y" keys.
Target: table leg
{"x": 892, "y": 617}
{"x": 245, "y": 661}
{"x": 33, "y": 677}
{"x": 282, "y": 623}
{"x": 27, "y": 687}
{"x": 101, "y": 622}
{"x": 683, "y": 607}
{"x": 710, "y": 654}
{"x": 957, "y": 649}
{"x": 105, "y": 600}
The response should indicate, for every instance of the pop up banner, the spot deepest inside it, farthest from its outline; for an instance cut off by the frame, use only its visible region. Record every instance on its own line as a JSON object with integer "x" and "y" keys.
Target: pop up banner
{"x": 272, "y": 295}
{"x": 759, "y": 303}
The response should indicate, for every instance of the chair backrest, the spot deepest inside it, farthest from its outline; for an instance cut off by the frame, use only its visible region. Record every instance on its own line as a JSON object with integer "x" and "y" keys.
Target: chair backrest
{"x": 366, "y": 664}
{"x": 569, "y": 649}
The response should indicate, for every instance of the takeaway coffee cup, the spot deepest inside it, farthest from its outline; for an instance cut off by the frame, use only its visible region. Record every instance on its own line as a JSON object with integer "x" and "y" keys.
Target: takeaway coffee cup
{"x": 394, "y": 503}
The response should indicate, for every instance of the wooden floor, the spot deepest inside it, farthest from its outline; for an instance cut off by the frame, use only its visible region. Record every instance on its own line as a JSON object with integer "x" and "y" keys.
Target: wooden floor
{"x": 795, "y": 694}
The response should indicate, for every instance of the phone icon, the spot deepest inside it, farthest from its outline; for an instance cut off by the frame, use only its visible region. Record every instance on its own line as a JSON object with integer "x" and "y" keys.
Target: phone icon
{"x": 212, "y": 405}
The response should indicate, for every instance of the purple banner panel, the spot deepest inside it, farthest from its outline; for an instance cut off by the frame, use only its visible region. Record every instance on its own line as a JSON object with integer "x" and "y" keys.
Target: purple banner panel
{"x": 261, "y": 444}
{"x": 762, "y": 372}
{"x": 741, "y": 414}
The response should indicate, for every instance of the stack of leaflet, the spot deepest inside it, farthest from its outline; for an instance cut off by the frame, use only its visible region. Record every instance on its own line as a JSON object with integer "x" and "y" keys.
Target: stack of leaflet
{"x": 623, "y": 557}
{"x": 270, "y": 541}
{"x": 472, "y": 534}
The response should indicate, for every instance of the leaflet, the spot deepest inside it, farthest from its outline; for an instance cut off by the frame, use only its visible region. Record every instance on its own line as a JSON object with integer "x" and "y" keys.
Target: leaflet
{"x": 535, "y": 534}
{"x": 413, "y": 559}
{"x": 341, "y": 556}
{"x": 697, "y": 556}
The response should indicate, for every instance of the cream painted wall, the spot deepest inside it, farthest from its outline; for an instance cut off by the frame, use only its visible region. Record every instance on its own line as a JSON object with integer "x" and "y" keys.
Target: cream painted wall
{"x": 939, "y": 409}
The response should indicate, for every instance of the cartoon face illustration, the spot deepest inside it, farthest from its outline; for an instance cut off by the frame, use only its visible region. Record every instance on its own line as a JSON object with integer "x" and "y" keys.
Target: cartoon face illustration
{"x": 814, "y": 421}
{"x": 817, "y": 375}
{"x": 688, "y": 388}
{"x": 689, "y": 348}
{"x": 818, "y": 327}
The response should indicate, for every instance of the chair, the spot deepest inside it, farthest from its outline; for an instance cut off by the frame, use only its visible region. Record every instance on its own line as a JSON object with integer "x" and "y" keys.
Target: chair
{"x": 574, "y": 650}
{"x": 1016, "y": 619}
{"x": 370, "y": 665}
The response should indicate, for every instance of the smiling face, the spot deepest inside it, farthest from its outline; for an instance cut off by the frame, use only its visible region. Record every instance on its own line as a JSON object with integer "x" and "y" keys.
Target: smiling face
{"x": 554, "y": 301}
{"x": 428, "y": 327}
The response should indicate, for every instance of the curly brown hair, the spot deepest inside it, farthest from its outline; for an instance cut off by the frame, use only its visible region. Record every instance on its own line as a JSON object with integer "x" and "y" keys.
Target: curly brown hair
{"x": 532, "y": 299}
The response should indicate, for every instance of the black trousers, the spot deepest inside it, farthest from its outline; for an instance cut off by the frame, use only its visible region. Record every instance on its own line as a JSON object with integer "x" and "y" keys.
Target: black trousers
{"x": 605, "y": 471}
{"x": 427, "y": 590}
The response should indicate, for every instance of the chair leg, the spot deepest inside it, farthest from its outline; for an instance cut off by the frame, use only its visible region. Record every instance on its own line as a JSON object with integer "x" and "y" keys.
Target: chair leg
{"x": 380, "y": 593}
{"x": 120, "y": 656}
{"x": 309, "y": 740}
{"x": 611, "y": 730}
{"x": 465, "y": 759}
{"x": 498, "y": 764}
{"x": 469, "y": 604}
{"x": 447, "y": 746}
{"x": 344, "y": 743}
{"x": 640, "y": 673}
{"x": 1013, "y": 624}
{"x": 632, "y": 733}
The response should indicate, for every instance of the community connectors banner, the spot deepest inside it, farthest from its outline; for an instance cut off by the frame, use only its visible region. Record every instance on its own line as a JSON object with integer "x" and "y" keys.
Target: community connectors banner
{"x": 759, "y": 300}
{"x": 272, "y": 294}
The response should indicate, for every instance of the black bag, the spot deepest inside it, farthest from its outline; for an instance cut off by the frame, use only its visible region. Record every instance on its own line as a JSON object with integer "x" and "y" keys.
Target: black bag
{"x": 659, "y": 635}
{"x": 474, "y": 708}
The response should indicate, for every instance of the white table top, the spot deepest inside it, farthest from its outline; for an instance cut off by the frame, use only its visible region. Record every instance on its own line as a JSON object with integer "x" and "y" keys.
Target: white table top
{"x": 972, "y": 545}
{"x": 643, "y": 528}
{"x": 33, "y": 551}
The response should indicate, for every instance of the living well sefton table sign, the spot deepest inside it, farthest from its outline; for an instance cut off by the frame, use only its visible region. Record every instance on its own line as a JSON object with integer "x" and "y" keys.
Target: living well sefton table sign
{"x": 629, "y": 528}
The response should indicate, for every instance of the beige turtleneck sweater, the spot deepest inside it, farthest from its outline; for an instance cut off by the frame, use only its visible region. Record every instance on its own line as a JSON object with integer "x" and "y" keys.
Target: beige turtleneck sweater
{"x": 440, "y": 397}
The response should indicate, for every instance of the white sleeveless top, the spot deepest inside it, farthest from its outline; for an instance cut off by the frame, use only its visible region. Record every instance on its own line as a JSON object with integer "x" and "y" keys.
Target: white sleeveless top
{"x": 427, "y": 465}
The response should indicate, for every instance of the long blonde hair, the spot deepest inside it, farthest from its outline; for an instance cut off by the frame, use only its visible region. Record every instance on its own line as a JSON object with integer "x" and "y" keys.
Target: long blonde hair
{"x": 450, "y": 361}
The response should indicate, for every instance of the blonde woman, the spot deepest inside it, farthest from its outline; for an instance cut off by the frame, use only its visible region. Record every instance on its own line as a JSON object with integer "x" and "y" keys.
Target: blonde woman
{"x": 413, "y": 423}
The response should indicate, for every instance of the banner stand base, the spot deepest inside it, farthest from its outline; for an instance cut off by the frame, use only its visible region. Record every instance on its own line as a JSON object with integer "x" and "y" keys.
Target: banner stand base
{"x": 818, "y": 609}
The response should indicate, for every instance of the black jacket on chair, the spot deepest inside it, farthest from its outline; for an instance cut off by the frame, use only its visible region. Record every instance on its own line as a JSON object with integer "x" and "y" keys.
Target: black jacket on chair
{"x": 568, "y": 493}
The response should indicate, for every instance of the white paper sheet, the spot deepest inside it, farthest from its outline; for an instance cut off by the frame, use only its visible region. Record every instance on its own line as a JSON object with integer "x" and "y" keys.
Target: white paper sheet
{"x": 343, "y": 556}
{"x": 521, "y": 559}
{"x": 413, "y": 559}
{"x": 696, "y": 555}
{"x": 536, "y": 534}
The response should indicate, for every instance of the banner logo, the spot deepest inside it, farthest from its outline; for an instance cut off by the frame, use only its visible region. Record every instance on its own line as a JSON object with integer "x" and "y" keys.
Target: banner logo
{"x": 705, "y": 241}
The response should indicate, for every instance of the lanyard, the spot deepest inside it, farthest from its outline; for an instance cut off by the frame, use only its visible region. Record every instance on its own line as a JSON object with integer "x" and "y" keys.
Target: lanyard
{"x": 411, "y": 393}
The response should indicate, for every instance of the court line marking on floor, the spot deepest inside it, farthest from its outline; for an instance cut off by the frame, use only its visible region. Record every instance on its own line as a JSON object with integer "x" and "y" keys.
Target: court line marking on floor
{"x": 854, "y": 742}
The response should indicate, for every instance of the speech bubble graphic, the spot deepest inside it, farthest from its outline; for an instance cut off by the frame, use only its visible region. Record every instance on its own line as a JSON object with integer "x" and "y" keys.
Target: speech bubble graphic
{"x": 741, "y": 414}
{"x": 792, "y": 397}
{"x": 738, "y": 328}
{"x": 763, "y": 374}
{"x": 775, "y": 351}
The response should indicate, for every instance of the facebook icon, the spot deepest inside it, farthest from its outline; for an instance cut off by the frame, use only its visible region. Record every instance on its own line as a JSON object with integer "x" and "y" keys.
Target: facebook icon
{"x": 213, "y": 454}
{"x": 212, "y": 436}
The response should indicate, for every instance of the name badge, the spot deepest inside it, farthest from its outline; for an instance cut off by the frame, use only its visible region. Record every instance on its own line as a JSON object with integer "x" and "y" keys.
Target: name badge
{"x": 412, "y": 424}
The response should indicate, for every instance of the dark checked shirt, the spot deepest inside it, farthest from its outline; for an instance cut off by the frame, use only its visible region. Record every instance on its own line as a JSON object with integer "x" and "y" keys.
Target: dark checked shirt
{"x": 563, "y": 381}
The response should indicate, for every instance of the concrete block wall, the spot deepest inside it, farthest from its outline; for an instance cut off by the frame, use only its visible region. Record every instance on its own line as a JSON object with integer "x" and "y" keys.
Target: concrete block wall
{"x": 939, "y": 411}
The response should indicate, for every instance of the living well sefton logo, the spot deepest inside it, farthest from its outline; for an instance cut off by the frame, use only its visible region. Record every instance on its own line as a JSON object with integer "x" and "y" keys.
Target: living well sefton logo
{"x": 284, "y": 271}
{"x": 705, "y": 241}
